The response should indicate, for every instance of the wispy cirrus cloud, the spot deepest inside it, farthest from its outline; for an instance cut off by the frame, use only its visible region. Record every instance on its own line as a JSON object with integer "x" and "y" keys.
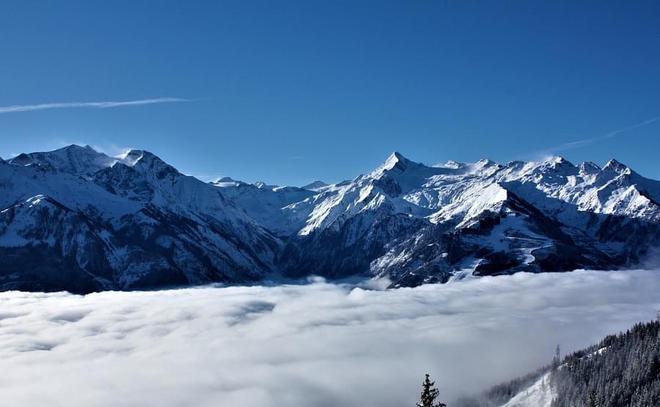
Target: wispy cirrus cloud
{"x": 95, "y": 105}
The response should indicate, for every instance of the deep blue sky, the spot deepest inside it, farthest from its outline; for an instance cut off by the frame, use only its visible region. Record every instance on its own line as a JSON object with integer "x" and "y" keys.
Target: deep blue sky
{"x": 291, "y": 91}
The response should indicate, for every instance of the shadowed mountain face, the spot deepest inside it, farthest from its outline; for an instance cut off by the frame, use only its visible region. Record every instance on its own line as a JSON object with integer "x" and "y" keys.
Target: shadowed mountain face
{"x": 75, "y": 219}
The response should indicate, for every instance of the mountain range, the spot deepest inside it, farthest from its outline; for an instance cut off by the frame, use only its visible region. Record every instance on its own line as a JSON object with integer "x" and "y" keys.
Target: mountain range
{"x": 79, "y": 220}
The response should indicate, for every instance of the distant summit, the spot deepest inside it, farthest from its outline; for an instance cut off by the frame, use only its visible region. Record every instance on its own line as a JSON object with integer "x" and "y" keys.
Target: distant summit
{"x": 315, "y": 185}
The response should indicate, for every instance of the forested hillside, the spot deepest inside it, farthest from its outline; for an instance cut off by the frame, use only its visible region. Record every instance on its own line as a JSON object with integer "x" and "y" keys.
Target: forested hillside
{"x": 621, "y": 371}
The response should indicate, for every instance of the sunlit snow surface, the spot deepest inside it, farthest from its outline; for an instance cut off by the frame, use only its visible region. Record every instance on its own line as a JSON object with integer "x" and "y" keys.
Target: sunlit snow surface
{"x": 539, "y": 394}
{"x": 309, "y": 345}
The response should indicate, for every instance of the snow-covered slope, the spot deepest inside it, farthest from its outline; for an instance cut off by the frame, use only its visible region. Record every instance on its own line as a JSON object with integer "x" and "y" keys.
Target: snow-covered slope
{"x": 539, "y": 394}
{"x": 266, "y": 204}
{"x": 134, "y": 220}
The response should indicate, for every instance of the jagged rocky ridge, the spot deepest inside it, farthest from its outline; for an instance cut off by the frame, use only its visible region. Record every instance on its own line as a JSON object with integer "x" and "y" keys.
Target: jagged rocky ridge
{"x": 78, "y": 220}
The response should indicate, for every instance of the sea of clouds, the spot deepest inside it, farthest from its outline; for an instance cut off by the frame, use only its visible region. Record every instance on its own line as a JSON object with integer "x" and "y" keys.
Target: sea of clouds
{"x": 303, "y": 345}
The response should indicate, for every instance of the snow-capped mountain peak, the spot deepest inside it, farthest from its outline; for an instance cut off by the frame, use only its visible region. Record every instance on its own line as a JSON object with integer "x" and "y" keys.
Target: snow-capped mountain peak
{"x": 22, "y": 159}
{"x": 130, "y": 157}
{"x": 133, "y": 158}
{"x": 450, "y": 164}
{"x": 400, "y": 175}
{"x": 395, "y": 159}
{"x": 135, "y": 220}
{"x": 616, "y": 166}
{"x": 557, "y": 160}
{"x": 149, "y": 164}
{"x": 315, "y": 185}
{"x": 397, "y": 165}
{"x": 72, "y": 159}
{"x": 589, "y": 168}
{"x": 226, "y": 182}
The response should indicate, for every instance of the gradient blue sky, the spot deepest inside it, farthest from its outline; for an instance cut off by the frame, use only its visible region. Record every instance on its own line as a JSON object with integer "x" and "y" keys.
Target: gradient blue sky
{"x": 291, "y": 91}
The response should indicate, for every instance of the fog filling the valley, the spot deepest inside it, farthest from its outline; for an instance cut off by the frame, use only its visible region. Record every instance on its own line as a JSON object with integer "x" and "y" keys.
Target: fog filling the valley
{"x": 303, "y": 346}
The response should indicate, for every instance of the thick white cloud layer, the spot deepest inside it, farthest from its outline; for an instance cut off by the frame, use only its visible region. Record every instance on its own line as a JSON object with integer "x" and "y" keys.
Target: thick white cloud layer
{"x": 314, "y": 345}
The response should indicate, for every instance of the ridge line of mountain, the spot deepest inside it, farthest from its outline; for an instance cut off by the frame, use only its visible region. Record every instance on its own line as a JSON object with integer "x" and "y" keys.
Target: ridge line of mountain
{"x": 135, "y": 221}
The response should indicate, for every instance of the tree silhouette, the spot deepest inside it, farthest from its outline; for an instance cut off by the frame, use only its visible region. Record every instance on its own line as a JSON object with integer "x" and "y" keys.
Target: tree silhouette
{"x": 593, "y": 399}
{"x": 429, "y": 394}
{"x": 556, "y": 360}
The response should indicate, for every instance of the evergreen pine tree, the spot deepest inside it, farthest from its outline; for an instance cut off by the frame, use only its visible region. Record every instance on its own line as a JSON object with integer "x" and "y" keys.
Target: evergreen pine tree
{"x": 556, "y": 360}
{"x": 429, "y": 394}
{"x": 593, "y": 399}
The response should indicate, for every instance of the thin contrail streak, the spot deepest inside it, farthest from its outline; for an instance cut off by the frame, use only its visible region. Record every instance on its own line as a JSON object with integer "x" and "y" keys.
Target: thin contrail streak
{"x": 96, "y": 105}
{"x": 591, "y": 140}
